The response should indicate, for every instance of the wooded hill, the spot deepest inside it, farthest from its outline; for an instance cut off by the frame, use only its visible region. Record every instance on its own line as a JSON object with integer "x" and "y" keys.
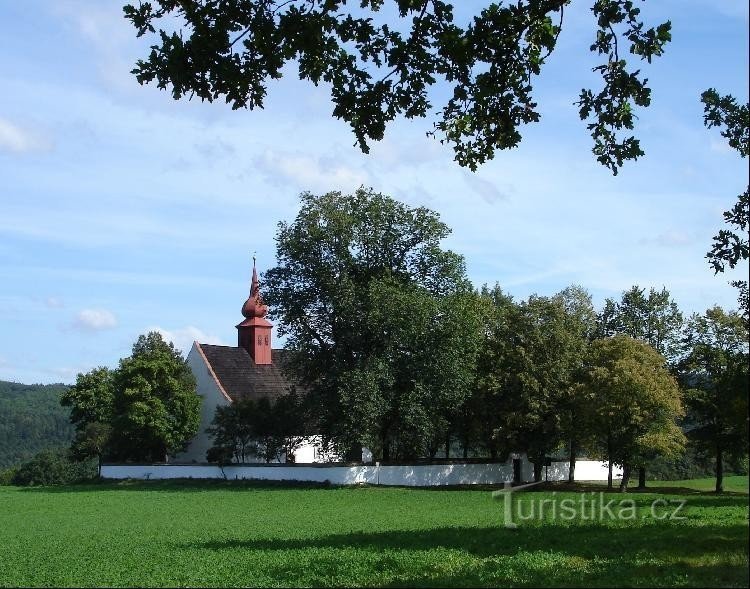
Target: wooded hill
{"x": 31, "y": 419}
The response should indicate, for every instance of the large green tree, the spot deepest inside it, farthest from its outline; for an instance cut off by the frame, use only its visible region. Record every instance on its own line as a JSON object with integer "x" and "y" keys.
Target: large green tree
{"x": 715, "y": 372}
{"x": 156, "y": 410}
{"x": 636, "y": 402}
{"x": 91, "y": 402}
{"x": 379, "y": 320}
{"x": 379, "y": 68}
{"x": 580, "y": 323}
{"x": 653, "y": 318}
{"x": 144, "y": 410}
{"x": 527, "y": 368}
{"x": 730, "y": 246}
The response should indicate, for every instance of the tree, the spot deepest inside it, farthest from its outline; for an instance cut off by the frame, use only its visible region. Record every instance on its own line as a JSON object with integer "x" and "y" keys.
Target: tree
{"x": 91, "y": 402}
{"x": 715, "y": 371}
{"x": 635, "y": 400}
{"x": 527, "y": 368}
{"x": 380, "y": 71}
{"x": 731, "y": 245}
{"x": 231, "y": 429}
{"x": 373, "y": 308}
{"x": 156, "y": 410}
{"x": 258, "y": 427}
{"x": 581, "y": 325}
{"x": 487, "y": 402}
{"x": 655, "y": 319}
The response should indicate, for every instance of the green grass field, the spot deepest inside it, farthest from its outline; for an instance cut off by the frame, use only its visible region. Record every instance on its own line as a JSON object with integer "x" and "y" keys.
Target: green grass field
{"x": 234, "y": 534}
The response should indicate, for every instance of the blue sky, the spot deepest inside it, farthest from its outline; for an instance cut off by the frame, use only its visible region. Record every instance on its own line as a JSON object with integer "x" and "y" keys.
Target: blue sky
{"x": 122, "y": 210}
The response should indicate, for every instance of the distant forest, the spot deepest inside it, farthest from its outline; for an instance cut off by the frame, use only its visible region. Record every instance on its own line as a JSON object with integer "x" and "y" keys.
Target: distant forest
{"x": 31, "y": 419}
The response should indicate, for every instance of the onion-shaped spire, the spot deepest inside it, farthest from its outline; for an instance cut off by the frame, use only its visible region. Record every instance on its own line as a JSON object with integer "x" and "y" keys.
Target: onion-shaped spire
{"x": 254, "y": 306}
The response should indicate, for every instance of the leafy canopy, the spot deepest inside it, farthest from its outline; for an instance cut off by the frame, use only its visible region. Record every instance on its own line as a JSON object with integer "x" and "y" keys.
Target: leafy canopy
{"x": 380, "y": 319}
{"x": 379, "y": 71}
{"x": 144, "y": 410}
{"x": 730, "y": 246}
{"x": 636, "y": 401}
{"x": 715, "y": 371}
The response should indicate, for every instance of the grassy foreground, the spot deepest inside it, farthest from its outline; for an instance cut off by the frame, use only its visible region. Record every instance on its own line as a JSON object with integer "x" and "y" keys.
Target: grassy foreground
{"x": 234, "y": 534}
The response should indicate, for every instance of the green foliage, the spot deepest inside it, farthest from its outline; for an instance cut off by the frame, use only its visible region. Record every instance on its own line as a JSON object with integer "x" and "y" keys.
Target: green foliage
{"x": 226, "y": 534}
{"x": 258, "y": 428}
{"x": 635, "y": 401}
{"x": 654, "y": 319}
{"x": 731, "y": 245}
{"x": 380, "y": 319}
{"x": 156, "y": 410}
{"x": 144, "y": 410}
{"x": 715, "y": 371}
{"x": 31, "y": 420}
{"x": 52, "y": 467}
{"x": 378, "y": 72}
{"x": 526, "y": 392}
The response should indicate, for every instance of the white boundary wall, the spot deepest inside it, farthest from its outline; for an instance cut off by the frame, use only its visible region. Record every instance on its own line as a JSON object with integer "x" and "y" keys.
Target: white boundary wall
{"x": 427, "y": 475}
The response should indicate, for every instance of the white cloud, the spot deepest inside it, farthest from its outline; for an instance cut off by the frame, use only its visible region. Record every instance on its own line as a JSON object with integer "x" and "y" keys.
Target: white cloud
{"x": 94, "y": 320}
{"x": 54, "y": 303}
{"x": 669, "y": 238}
{"x": 184, "y": 337}
{"x": 310, "y": 172}
{"x": 484, "y": 188}
{"x": 14, "y": 139}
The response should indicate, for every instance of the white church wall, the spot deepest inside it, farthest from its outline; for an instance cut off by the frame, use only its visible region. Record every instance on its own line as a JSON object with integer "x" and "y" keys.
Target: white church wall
{"x": 424, "y": 475}
{"x": 211, "y": 396}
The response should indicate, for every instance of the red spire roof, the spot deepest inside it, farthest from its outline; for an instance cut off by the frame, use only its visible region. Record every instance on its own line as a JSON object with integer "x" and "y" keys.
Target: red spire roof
{"x": 254, "y": 306}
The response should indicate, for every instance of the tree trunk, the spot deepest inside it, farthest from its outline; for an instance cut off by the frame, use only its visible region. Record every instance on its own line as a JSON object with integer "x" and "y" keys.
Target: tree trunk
{"x": 642, "y": 477}
{"x": 572, "y": 461}
{"x": 609, "y": 469}
{"x": 386, "y": 451}
{"x": 466, "y": 451}
{"x": 354, "y": 453}
{"x": 99, "y": 460}
{"x": 538, "y": 465}
{"x": 447, "y": 446}
{"x": 626, "y": 469}
{"x": 719, "y": 470}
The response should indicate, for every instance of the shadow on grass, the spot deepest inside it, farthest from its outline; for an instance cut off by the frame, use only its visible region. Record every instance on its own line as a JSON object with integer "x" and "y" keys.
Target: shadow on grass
{"x": 593, "y": 486}
{"x": 579, "y": 555}
{"x": 180, "y": 485}
{"x": 201, "y": 485}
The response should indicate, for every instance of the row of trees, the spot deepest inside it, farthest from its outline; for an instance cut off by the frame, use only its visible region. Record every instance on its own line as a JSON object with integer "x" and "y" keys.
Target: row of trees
{"x": 401, "y": 355}
{"x": 397, "y": 352}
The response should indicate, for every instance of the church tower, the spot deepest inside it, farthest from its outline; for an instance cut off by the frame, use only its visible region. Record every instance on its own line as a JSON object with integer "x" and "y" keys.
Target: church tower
{"x": 254, "y": 333}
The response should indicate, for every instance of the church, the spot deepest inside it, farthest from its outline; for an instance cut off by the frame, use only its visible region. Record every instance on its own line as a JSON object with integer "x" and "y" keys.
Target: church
{"x": 253, "y": 369}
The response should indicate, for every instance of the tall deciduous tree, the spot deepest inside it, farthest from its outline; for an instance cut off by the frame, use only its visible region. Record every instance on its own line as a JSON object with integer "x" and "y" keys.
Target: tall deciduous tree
{"x": 379, "y": 71}
{"x": 156, "y": 410}
{"x": 580, "y": 323}
{"x": 730, "y": 245}
{"x": 91, "y": 402}
{"x": 636, "y": 401}
{"x": 146, "y": 409}
{"x": 375, "y": 310}
{"x": 715, "y": 371}
{"x": 526, "y": 370}
{"x": 654, "y": 318}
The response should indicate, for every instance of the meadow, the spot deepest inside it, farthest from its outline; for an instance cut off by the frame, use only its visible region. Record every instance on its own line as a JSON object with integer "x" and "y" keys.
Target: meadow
{"x": 191, "y": 533}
